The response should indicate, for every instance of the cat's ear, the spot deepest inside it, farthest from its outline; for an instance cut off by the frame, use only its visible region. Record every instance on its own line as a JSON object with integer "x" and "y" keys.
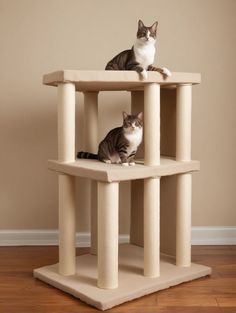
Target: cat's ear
{"x": 154, "y": 27}
{"x": 125, "y": 115}
{"x": 140, "y": 116}
{"x": 140, "y": 24}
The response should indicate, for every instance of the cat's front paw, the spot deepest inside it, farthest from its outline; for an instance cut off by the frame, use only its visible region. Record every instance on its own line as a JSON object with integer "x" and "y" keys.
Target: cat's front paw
{"x": 132, "y": 163}
{"x": 107, "y": 161}
{"x": 125, "y": 164}
{"x": 144, "y": 74}
{"x": 166, "y": 72}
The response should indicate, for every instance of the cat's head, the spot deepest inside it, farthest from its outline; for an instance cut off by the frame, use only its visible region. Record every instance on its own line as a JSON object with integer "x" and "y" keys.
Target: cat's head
{"x": 132, "y": 123}
{"x": 146, "y": 34}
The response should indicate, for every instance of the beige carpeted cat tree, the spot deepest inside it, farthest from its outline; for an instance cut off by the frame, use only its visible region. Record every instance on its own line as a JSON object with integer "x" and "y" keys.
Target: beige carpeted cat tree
{"x": 159, "y": 253}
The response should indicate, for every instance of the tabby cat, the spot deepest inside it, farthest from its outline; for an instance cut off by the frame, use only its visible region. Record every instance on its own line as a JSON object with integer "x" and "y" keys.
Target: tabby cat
{"x": 120, "y": 144}
{"x": 141, "y": 56}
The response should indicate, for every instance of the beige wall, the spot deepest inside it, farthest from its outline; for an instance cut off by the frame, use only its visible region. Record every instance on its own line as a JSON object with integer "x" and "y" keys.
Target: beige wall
{"x": 41, "y": 36}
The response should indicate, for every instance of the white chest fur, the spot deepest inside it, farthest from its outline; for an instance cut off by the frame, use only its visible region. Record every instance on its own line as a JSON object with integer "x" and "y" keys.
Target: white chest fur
{"x": 134, "y": 138}
{"x": 144, "y": 54}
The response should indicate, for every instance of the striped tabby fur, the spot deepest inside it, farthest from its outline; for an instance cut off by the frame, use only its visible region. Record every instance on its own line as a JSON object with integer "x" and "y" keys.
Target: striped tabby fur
{"x": 86, "y": 155}
{"x": 120, "y": 144}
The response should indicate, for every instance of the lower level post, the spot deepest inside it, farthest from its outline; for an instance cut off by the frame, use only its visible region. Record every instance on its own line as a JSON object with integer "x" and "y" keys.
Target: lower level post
{"x": 66, "y": 225}
{"x": 108, "y": 197}
{"x": 152, "y": 227}
{"x": 183, "y": 220}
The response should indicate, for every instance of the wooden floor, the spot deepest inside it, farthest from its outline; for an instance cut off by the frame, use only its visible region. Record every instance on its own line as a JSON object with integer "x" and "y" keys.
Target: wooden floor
{"x": 20, "y": 292}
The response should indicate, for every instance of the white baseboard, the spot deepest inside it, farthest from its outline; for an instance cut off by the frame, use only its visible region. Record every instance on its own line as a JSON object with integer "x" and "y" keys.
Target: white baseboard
{"x": 31, "y": 237}
{"x": 214, "y": 235}
{"x": 45, "y": 237}
{"x": 200, "y": 236}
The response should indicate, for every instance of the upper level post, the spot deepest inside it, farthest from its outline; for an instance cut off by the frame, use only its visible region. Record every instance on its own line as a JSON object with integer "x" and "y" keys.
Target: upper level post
{"x": 152, "y": 124}
{"x": 66, "y": 122}
{"x": 91, "y": 121}
{"x": 183, "y": 122}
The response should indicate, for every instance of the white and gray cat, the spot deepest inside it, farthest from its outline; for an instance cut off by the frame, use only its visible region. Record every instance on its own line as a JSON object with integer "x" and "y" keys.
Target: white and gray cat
{"x": 141, "y": 56}
{"x": 120, "y": 144}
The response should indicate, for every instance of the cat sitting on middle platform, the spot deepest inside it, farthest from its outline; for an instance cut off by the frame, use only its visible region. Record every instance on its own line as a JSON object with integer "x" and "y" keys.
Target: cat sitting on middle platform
{"x": 120, "y": 144}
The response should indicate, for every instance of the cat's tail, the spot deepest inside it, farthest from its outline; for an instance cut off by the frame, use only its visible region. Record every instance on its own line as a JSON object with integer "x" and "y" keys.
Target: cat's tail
{"x": 86, "y": 155}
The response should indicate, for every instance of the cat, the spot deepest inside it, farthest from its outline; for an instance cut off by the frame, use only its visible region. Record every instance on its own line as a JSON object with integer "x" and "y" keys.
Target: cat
{"x": 141, "y": 56}
{"x": 120, "y": 144}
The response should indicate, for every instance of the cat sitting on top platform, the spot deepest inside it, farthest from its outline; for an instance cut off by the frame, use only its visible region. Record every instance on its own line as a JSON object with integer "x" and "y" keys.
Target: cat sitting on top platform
{"x": 121, "y": 143}
{"x": 141, "y": 56}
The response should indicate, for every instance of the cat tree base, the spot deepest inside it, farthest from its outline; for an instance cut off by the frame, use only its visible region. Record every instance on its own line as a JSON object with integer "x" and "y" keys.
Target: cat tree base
{"x": 132, "y": 283}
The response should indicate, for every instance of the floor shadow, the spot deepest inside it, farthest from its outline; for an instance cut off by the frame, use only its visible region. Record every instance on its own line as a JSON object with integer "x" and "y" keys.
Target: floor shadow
{"x": 131, "y": 269}
{"x": 87, "y": 280}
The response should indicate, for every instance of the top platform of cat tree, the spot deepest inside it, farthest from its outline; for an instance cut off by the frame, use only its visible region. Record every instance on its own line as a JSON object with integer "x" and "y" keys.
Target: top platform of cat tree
{"x": 116, "y": 80}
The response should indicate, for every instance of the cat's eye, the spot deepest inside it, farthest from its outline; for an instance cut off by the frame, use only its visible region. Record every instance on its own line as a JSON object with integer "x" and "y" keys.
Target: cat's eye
{"x": 127, "y": 124}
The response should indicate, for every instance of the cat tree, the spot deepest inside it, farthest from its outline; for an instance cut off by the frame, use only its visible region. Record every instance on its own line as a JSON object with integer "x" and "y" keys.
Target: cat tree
{"x": 163, "y": 180}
